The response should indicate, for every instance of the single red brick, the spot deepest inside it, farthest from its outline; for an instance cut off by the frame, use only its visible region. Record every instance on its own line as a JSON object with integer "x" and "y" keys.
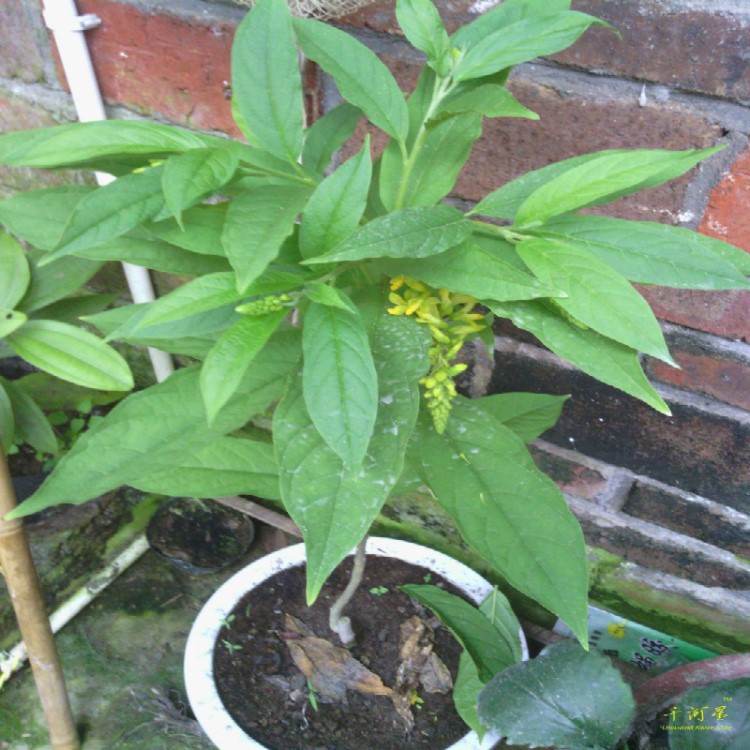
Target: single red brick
{"x": 727, "y": 218}
{"x": 157, "y": 63}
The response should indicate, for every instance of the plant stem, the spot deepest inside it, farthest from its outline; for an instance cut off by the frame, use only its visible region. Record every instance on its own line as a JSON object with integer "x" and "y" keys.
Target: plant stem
{"x": 342, "y": 625}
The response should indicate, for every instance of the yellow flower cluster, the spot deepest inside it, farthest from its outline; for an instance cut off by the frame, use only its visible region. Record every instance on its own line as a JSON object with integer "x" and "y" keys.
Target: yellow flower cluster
{"x": 451, "y": 321}
{"x": 268, "y": 304}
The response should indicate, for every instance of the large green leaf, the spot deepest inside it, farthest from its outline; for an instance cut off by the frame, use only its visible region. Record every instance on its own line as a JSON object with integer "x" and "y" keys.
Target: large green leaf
{"x": 471, "y": 628}
{"x": 649, "y": 253}
{"x": 471, "y": 269}
{"x": 335, "y": 506}
{"x": 421, "y": 22}
{"x": 227, "y": 466}
{"x": 339, "y": 380}
{"x": 266, "y": 82}
{"x": 444, "y": 151}
{"x": 408, "y": 233}
{"x": 507, "y": 510}
{"x": 156, "y": 429}
{"x": 597, "y": 296}
{"x": 488, "y": 99}
{"x": 56, "y": 280}
{"x": 527, "y": 414}
{"x": 496, "y": 608}
{"x": 335, "y": 208}
{"x": 102, "y": 144}
{"x": 606, "y": 360}
{"x": 226, "y": 364}
{"x": 14, "y": 272}
{"x": 200, "y": 232}
{"x": 701, "y": 708}
{"x": 466, "y": 689}
{"x": 502, "y": 16}
{"x": 10, "y": 320}
{"x": 566, "y": 698}
{"x": 361, "y": 77}
{"x": 522, "y": 41}
{"x": 72, "y": 354}
{"x": 72, "y": 309}
{"x": 196, "y": 174}
{"x": 142, "y": 249}
{"x": 326, "y": 135}
{"x": 257, "y": 223}
{"x": 604, "y": 178}
{"x": 39, "y": 216}
{"x": 111, "y": 211}
{"x": 31, "y": 426}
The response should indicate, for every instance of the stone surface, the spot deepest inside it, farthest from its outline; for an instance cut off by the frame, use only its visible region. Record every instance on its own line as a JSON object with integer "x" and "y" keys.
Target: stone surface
{"x": 21, "y": 37}
{"x": 701, "y": 448}
{"x": 711, "y": 366}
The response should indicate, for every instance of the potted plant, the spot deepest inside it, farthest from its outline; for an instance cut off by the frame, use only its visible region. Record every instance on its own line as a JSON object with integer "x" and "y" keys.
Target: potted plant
{"x": 332, "y": 307}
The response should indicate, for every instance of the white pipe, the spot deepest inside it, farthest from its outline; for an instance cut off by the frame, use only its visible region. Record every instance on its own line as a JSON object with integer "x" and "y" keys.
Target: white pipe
{"x": 61, "y": 17}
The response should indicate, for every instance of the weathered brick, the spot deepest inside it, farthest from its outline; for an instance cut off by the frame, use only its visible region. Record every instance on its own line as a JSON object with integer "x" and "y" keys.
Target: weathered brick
{"x": 714, "y": 367}
{"x": 157, "y": 63}
{"x": 701, "y": 448}
{"x": 20, "y": 55}
{"x": 699, "y": 49}
{"x": 690, "y": 514}
{"x": 727, "y": 218}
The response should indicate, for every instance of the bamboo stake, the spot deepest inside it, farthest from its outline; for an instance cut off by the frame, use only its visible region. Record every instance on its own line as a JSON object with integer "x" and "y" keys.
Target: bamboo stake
{"x": 26, "y": 596}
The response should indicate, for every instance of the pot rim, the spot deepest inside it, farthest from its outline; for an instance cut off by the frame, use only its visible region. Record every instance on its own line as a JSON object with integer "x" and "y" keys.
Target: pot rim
{"x": 204, "y": 698}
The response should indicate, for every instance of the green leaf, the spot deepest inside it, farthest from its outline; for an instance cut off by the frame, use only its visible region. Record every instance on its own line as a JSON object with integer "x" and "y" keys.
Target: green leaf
{"x": 335, "y": 506}
{"x": 566, "y": 697}
{"x": 473, "y": 270}
{"x": 266, "y": 83}
{"x": 522, "y": 41}
{"x": 340, "y": 382}
{"x": 496, "y": 608}
{"x": 471, "y": 628}
{"x": 201, "y": 294}
{"x": 362, "y": 79}
{"x": 502, "y": 16}
{"x": 327, "y": 135}
{"x": 483, "y": 476}
{"x": 31, "y": 426}
{"x": 52, "y": 394}
{"x": 70, "y": 310}
{"x": 141, "y": 249}
{"x": 226, "y": 364}
{"x": 99, "y": 145}
{"x": 527, "y": 414}
{"x": 55, "y": 280}
{"x": 444, "y": 152}
{"x": 604, "y": 178}
{"x": 597, "y": 296}
{"x": 489, "y": 100}
{"x": 649, "y": 253}
{"x": 256, "y": 225}
{"x": 111, "y": 211}
{"x": 228, "y": 466}
{"x": 729, "y": 733}
{"x": 14, "y": 272}
{"x": 39, "y": 216}
{"x": 408, "y": 233}
{"x": 72, "y": 354}
{"x": 423, "y": 27}
{"x": 600, "y": 357}
{"x": 194, "y": 175}
{"x": 7, "y": 422}
{"x": 201, "y": 229}
{"x": 324, "y": 294}
{"x": 466, "y": 689}
{"x": 159, "y": 428}
{"x": 335, "y": 208}
{"x": 10, "y": 320}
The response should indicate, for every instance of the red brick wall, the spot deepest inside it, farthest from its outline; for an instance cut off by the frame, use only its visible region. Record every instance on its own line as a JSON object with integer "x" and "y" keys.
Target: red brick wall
{"x": 677, "y": 77}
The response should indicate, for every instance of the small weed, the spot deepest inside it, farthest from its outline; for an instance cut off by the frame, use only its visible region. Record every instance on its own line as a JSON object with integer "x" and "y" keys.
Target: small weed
{"x": 227, "y": 621}
{"x": 427, "y": 577}
{"x": 311, "y": 691}
{"x": 379, "y": 590}
{"x": 231, "y": 647}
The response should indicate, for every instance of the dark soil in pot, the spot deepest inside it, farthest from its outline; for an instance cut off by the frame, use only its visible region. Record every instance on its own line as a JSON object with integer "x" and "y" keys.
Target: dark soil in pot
{"x": 268, "y": 696}
{"x": 200, "y": 536}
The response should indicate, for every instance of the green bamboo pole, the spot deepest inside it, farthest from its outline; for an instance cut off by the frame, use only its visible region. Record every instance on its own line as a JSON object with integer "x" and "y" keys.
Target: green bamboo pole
{"x": 26, "y": 596}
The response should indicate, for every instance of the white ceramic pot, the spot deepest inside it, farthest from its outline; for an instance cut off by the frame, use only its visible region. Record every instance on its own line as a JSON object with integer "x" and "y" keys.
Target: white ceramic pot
{"x": 221, "y": 729}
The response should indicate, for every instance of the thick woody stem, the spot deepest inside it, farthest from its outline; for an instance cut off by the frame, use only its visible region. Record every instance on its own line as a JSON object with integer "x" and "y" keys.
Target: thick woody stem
{"x": 341, "y": 625}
